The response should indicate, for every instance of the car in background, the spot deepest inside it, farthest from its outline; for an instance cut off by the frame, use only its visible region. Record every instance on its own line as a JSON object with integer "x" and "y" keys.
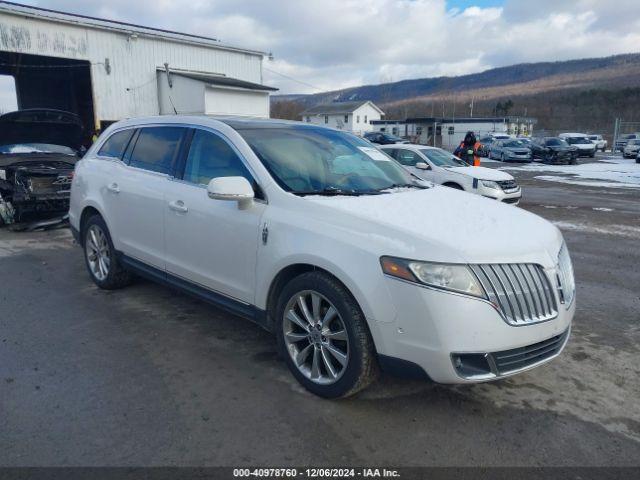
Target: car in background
{"x": 553, "y": 150}
{"x": 510, "y": 150}
{"x": 622, "y": 140}
{"x": 638, "y": 158}
{"x": 38, "y": 152}
{"x": 383, "y": 138}
{"x": 586, "y": 148}
{"x": 601, "y": 143}
{"x": 444, "y": 168}
{"x": 487, "y": 140}
{"x": 631, "y": 149}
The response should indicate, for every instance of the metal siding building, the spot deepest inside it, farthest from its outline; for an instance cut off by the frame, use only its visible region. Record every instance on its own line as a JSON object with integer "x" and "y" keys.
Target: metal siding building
{"x": 122, "y": 61}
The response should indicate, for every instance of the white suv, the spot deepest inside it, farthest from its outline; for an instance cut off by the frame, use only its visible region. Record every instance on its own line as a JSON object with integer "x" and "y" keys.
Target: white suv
{"x": 444, "y": 168}
{"x": 324, "y": 240}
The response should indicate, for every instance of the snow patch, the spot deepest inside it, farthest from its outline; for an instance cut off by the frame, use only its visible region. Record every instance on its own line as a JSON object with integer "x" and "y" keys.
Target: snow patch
{"x": 612, "y": 173}
{"x": 619, "y": 230}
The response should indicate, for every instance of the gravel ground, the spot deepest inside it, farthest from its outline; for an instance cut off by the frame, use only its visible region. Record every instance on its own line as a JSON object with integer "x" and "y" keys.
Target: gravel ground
{"x": 147, "y": 376}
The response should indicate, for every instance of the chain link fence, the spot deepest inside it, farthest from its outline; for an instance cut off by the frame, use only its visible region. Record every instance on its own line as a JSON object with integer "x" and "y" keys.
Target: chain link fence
{"x": 623, "y": 132}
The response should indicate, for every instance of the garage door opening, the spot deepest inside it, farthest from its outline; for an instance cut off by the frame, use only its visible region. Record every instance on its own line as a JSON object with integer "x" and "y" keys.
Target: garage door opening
{"x": 49, "y": 82}
{"x": 8, "y": 98}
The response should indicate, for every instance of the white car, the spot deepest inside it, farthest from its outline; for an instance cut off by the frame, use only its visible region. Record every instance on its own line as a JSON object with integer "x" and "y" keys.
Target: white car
{"x": 586, "y": 148}
{"x": 601, "y": 143}
{"x": 631, "y": 149}
{"x": 444, "y": 168}
{"x": 328, "y": 243}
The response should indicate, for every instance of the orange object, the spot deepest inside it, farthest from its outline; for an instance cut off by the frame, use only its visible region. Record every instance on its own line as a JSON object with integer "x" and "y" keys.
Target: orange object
{"x": 476, "y": 158}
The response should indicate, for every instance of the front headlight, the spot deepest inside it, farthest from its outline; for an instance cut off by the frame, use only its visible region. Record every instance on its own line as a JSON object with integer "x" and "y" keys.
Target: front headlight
{"x": 565, "y": 276}
{"x": 452, "y": 277}
{"x": 490, "y": 184}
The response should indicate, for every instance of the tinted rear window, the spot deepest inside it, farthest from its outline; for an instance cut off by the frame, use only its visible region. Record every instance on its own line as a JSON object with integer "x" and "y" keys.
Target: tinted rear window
{"x": 157, "y": 148}
{"x": 116, "y": 144}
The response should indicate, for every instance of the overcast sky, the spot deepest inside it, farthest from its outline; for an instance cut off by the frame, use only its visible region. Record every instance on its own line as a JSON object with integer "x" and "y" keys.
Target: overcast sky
{"x": 331, "y": 44}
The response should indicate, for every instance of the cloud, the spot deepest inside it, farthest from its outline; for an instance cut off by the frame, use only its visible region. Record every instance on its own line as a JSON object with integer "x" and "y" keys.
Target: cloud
{"x": 331, "y": 44}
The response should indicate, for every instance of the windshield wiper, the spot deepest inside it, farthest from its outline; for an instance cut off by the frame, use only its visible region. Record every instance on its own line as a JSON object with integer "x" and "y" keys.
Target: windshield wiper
{"x": 401, "y": 185}
{"x": 333, "y": 191}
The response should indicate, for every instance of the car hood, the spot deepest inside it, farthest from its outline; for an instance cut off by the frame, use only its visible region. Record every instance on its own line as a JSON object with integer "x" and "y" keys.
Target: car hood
{"x": 41, "y": 126}
{"x": 36, "y": 160}
{"x": 440, "y": 224}
{"x": 481, "y": 173}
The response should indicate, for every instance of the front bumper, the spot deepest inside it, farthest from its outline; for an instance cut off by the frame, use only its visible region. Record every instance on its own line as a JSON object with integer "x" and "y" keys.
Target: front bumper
{"x": 512, "y": 196}
{"x": 434, "y": 327}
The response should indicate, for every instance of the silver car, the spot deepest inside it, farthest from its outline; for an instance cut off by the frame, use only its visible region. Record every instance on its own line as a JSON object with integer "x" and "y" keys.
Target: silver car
{"x": 511, "y": 150}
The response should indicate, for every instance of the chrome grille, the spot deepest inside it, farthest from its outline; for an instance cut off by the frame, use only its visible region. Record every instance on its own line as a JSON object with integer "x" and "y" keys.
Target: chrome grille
{"x": 521, "y": 291}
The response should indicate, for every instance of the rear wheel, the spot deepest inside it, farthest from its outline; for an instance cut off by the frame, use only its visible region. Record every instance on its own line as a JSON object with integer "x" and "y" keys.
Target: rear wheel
{"x": 100, "y": 256}
{"x": 323, "y": 336}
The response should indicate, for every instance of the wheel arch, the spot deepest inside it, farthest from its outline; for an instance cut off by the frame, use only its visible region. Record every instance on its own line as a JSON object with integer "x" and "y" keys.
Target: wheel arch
{"x": 453, "y": 185}
{"x": 295, "y": 268}
{"x": 288, "y": 273}
{"x": 87, "y": 212}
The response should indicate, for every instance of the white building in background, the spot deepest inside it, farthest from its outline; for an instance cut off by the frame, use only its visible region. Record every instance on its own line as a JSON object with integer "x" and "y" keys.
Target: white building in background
{"x": 448, "y": 133}
{"x": 356, "y": 117}
{"x": 105, "y": 70}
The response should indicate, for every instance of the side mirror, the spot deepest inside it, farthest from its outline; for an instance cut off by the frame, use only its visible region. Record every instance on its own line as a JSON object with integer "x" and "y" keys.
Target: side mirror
{"x": 423, "y": 166}
{"x": 237, "y": 189}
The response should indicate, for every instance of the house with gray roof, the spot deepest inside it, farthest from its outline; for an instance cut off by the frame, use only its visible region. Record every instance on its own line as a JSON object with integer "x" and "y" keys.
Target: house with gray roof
{"x": 356, "y": 117}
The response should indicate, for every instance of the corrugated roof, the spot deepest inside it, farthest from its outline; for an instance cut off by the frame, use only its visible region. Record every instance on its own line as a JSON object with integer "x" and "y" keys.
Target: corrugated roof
{"x": 220, "y": 80}
{"x": 335, "y": 107}
{"x": 57, "y": 15}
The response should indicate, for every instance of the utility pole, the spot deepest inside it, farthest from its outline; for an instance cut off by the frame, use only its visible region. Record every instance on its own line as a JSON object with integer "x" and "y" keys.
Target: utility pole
{"x": 471, "y": 112}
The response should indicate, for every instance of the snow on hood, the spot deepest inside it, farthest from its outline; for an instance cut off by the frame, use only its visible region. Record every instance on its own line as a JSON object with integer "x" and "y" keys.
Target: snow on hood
{"x": 446, "y": 225}
{"x": 482, "y": 173}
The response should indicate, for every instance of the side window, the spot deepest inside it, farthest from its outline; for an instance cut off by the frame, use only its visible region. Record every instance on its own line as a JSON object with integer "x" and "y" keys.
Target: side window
{"x": 210, "y": 156}
{"x": 408, "y": 158}
{"x": 116, "y": 144}
{"x": 157, "y": 148}
{"x": 392, "y": 152}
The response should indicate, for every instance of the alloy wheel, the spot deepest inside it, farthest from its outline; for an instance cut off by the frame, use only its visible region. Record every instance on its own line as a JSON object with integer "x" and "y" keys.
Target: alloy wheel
{"x": 315, "y": 337}
{"x": 98, "y": 252}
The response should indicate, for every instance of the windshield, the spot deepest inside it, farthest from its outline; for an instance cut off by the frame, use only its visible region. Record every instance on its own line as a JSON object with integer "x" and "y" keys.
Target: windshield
{"x": 309, "y": 160}
{"x": 388, "y": 136}
{"x": 556, "y": 142}
{"x": 35, "y": 148}
{"x": 513, "y": 144}
{"x": 442, "y": 158}
{"x": 577, "y": 140}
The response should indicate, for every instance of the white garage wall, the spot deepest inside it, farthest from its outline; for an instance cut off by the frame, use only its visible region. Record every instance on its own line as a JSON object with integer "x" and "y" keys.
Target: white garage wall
{"x": 128, "y": 87}
{"x": 226, "y": 101}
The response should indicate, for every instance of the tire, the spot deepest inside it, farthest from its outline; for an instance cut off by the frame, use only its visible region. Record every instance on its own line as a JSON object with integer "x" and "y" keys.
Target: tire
{"x": 502, "y": 158}
{"x": 335, "y": 375}
{"x": 104, "y": 269}
{"x": 573, "y": 161}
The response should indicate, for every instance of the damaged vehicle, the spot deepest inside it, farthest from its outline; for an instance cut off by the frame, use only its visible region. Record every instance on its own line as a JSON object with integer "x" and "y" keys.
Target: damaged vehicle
{"x": 38, "y": 152}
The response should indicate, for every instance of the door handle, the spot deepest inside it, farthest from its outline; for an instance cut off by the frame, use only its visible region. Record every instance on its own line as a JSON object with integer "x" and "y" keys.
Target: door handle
{"x": 178, "y": 206}
{"x": 113, "y": 188}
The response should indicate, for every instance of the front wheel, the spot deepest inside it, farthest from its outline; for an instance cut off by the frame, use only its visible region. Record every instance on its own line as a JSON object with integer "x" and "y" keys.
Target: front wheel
{"x": 323, "y": 336}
